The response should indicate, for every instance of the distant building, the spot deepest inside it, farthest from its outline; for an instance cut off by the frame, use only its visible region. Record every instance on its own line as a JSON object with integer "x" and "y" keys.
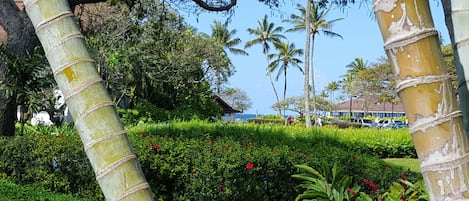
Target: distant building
{"x": 372, "y": 108}
{"x": 228, "y": 111}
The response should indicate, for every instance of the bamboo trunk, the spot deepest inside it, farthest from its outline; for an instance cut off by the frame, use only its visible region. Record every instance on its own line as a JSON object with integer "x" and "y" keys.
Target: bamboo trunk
{"x": 105, "y": 140}
{"x": 457, "y": 17}
{"x": 412, "y": 45}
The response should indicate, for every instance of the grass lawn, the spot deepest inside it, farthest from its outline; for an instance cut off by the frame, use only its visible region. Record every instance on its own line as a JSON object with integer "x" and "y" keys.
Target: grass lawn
{"x": 408, "y": 163}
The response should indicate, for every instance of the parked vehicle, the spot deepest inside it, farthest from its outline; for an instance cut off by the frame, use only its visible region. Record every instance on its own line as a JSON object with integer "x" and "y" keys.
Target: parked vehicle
{"x": 389, "y": 124}
{"x": 383, "y": 123}
{"x": 368, "y": 123}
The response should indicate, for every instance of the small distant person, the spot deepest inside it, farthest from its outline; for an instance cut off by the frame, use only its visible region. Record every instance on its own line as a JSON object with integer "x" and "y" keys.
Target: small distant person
{"x": 289, "y": 120}
{"x": 319, "y": 121}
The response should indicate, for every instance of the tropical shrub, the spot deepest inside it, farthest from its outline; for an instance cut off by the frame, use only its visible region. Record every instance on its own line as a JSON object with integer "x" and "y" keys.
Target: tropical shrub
{"x": 198, "y": 160}
{"x": 331, "y": 184}
{"x": 12, "y": 191}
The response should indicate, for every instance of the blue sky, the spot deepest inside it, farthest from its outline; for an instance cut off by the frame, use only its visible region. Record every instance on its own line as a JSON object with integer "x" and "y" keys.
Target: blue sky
{"x": 361, "y": 38}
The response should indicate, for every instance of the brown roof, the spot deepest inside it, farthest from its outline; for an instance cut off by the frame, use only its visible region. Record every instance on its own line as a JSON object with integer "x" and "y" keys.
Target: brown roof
{"x": 226, "y": 108}
{"x": 358, "y": 105}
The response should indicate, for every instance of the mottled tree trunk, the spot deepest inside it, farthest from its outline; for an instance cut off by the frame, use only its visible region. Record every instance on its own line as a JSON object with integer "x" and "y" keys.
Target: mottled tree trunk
{"x": 424, "y": 85}
{"x": 21, "y": 41}
{"x": 457, "y": 17}
{"x": 105, "y": 141}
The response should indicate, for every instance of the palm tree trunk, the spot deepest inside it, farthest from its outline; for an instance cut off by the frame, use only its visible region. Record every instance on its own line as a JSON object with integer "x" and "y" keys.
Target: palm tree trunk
{"x": 285, "y": 88}
{"x": 457, "y": 16}
{"x": 307, "y": 58}
{"x": 105, "y": 140}
{"x": 313, "y": 87}
{"x": 272, "y": 82}
{"x": 412, "y": 45}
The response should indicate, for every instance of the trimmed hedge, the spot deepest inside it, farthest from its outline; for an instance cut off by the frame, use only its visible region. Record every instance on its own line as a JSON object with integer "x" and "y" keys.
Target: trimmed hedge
{"x": 196, "y": 160}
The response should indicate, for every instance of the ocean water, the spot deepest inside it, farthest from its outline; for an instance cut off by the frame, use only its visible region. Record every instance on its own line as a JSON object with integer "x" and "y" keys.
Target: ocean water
{"x": 245, "y": 117}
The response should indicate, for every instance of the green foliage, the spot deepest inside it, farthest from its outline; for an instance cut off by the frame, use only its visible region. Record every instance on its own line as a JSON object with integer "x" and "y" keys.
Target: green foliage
{"x": 325, "y": 185}
{"x": 159, "y": 59}
{"x": 197, "y": 160}
{"x": 331, "y": 184}
{"x": 406, "y": 190}
{"x": 145, "y": 112}
{"x": 11, "y": 191}
{"x": 29, "y": 159}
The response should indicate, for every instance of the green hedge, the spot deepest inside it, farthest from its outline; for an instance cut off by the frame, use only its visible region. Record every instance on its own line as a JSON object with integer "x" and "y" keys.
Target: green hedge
{"x": 12, "y": 191}
{"x": 197, "y": 160}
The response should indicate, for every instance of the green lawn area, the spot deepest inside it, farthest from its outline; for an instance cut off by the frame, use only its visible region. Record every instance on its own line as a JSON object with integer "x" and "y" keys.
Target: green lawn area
{"x": 408, "y": 163}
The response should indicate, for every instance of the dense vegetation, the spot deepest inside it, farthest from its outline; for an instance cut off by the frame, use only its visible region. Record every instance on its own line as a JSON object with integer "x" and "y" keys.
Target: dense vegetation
{"x": 210, "y": 161}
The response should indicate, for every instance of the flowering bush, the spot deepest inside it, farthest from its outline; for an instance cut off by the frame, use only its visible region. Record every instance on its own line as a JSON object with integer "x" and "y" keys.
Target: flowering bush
{"x": 330, "y": 184}
{"x": 195, "y": 160}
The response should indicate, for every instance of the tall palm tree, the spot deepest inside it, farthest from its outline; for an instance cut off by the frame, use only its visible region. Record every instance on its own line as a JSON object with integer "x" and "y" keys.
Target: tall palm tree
{"x": 357, "y": 69}
{"x": 332, "y": 87}
{"x": 285, "y": 58}
{"x": 105, "y": 140}
{"x": 425, "y": 88}
{"x": 317, "y": 24}
{"x": 226, "y": 40}
{"x": 357, "y": 66}
{"x": 266, "y": 33}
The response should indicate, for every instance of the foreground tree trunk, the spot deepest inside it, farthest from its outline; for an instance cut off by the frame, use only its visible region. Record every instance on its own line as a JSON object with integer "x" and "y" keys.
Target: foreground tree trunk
{"x": 105, "y": 141}
{"x": 424, "y": 85}
{"x": 457, "y": 17}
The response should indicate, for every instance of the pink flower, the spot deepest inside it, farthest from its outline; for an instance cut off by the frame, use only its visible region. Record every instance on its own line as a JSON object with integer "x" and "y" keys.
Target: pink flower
{"x": 249, "y": 166}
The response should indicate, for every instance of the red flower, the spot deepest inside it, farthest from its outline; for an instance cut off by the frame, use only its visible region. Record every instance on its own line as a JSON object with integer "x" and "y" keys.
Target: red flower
{"x": 194, "y": 171}
{"x": 222, "y": 186}
{"x": 351, "y": 191}
{"x": 249, "y": 166}
{"x": 372, "y": 185}
{"x": 157, "y": 147}
{"x": 143, "y": 134}
{"x": 404, "y": 186}
{"x": 210, "y": 141}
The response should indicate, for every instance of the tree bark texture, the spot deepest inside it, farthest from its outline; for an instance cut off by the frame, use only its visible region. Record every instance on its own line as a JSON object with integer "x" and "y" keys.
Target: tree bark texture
{"x": 105, "y": 140}
{"x": 307, "y": 63}
{"x": 457, "y": 17}
{"x": 21, "y": 41}
{"x": 412, "y": 45}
